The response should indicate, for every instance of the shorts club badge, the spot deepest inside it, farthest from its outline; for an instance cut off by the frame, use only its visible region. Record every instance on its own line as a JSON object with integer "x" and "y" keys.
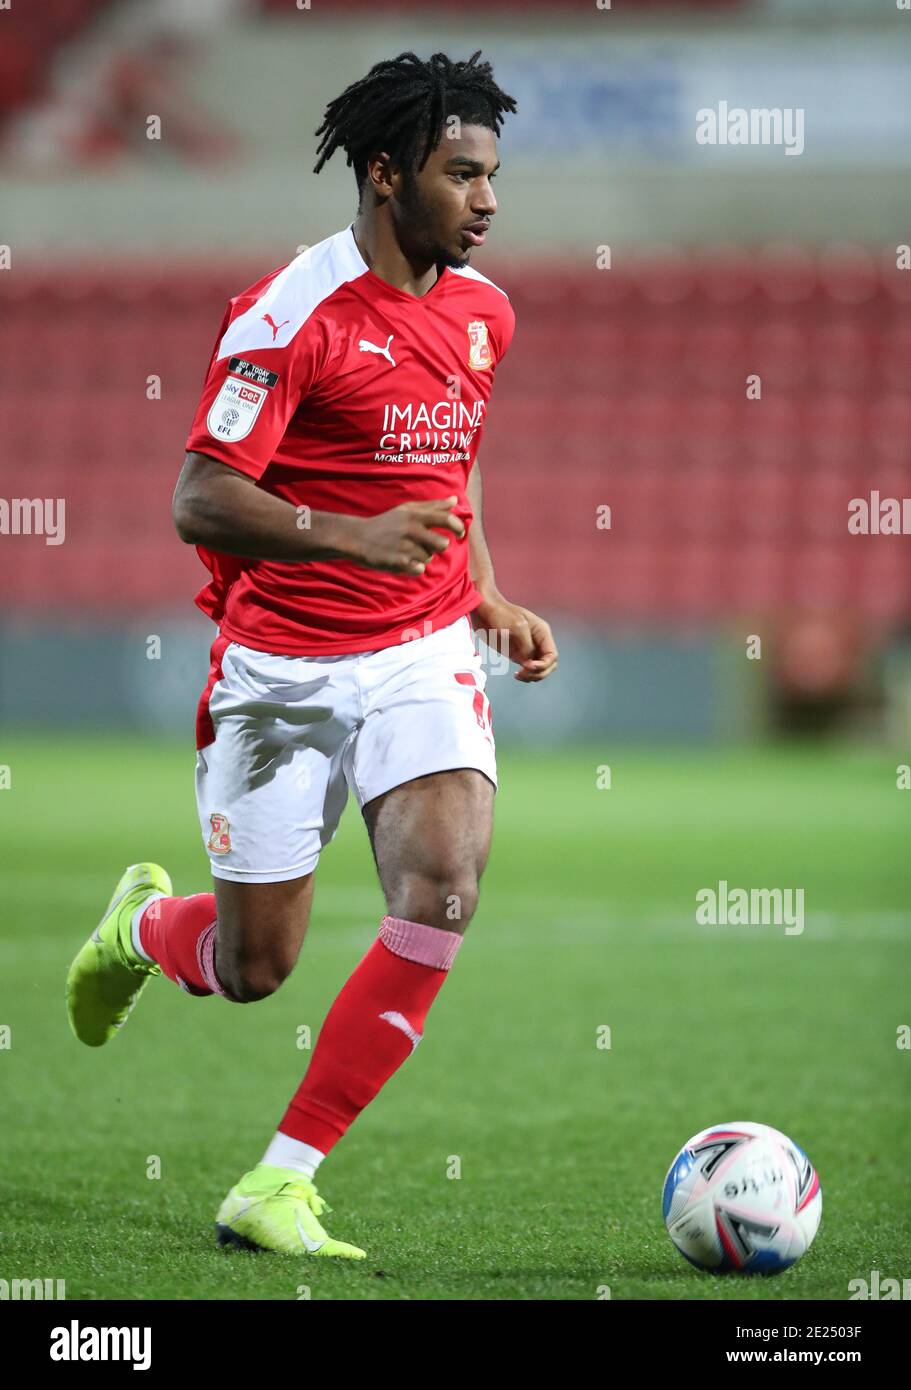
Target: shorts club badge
{"x": 220, "y": 839}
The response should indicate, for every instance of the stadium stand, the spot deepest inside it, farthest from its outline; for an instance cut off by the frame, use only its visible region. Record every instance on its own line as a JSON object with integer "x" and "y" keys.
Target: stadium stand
{"x": 28, "y": 47}
{"x": 719, "y": 504}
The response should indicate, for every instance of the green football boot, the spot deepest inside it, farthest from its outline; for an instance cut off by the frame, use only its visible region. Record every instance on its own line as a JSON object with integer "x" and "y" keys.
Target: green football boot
{"x": 108, "y": 975}
{"x": 277, "y": 1209}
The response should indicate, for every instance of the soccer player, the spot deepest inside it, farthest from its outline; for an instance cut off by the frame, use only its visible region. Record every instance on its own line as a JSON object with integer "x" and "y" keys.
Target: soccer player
{"x": 332, "y": 489}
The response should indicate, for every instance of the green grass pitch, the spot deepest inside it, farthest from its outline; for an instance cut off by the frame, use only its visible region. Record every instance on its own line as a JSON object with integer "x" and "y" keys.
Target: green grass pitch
{"x": 586, "y": 919}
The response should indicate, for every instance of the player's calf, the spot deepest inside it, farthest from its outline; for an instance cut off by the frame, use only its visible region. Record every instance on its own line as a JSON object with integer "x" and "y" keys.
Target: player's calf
{"x": 261, "y": 928}
{"x": 240, "y": 942}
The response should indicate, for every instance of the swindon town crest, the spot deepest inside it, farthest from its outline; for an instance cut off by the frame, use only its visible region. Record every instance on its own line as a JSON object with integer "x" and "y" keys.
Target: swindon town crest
{"x": 220, "y": 839}
{"x": 478, "y": 347}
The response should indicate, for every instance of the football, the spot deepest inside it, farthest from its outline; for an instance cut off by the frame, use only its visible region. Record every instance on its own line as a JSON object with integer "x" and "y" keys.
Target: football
{"x": 742, "y": 1198}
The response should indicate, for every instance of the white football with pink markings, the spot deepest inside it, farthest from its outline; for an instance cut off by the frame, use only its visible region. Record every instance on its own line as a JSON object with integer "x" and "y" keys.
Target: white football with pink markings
{"x": 742, "y": 1198}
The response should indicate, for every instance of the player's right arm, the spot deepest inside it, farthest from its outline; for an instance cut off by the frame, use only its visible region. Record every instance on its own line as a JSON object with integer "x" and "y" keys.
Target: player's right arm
{"x": 221, "y": 508}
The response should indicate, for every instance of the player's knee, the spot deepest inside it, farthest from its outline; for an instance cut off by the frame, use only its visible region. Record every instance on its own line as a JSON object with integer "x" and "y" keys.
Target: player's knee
{"x": 461, "y": 900}
{"x": 247, "y": 979}
{"x": 440, "y": 899}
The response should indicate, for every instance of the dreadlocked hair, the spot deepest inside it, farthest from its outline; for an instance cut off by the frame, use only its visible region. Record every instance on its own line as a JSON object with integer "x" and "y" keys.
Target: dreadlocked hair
{"x": 405, "y": 100}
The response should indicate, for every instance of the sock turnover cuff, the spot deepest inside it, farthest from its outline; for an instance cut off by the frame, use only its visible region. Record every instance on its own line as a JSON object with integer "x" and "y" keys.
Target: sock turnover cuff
{"x": 205, "y": 959}
{"x": 418, "y": 942}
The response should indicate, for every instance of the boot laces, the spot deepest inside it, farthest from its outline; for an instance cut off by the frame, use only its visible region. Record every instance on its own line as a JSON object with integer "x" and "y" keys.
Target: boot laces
{"x": 305, "y": 1190}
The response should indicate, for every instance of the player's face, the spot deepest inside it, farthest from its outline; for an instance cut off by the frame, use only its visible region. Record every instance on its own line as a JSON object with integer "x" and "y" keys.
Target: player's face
{"x": 441, "y": 211}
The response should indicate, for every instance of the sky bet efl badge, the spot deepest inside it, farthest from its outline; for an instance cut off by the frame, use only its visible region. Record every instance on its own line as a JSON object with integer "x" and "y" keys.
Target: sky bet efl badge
{"x": 478, "y": 347}
{"x": 233, "y": 413}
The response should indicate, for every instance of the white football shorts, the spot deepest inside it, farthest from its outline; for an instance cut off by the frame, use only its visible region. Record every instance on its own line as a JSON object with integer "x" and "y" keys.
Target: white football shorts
{"x": 293, "y": 733}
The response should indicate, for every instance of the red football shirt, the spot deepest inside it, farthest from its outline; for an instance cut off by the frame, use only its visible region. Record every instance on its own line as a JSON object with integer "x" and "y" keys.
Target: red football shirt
{"x": 338, "y": 392}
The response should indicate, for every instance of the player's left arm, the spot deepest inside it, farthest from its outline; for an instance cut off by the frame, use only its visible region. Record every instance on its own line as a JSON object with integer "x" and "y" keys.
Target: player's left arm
{"x": 529, "y": 642}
